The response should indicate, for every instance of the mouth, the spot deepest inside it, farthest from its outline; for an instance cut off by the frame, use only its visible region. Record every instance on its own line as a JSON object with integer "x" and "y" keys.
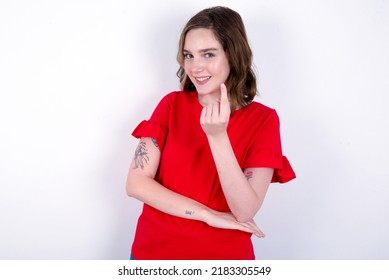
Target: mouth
{"x": 202, "y": 79}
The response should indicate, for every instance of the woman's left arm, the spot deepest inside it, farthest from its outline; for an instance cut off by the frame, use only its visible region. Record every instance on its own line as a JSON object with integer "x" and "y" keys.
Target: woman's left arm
{"x": 244, "y": 191}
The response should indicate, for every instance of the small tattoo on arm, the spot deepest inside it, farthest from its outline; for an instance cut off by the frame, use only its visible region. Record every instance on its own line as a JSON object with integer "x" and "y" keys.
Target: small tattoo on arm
{"x": 155, "y": 142}
{"x": 248, "y": 174}
{"x": 141, "y": 157}
{"x": 187, "y": 212}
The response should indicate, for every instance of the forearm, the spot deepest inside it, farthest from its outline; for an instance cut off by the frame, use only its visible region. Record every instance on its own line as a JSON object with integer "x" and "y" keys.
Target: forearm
{"x": 243, "y": 201}
{"x": 154, "y": 194}
{"x": 142, "y": 186}
{"x": 167, "y": 201}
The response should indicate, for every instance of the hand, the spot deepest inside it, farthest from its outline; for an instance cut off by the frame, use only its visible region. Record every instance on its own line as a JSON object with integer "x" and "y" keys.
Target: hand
{"x": 226, "y": 220}
{"x": 215, "y": 116}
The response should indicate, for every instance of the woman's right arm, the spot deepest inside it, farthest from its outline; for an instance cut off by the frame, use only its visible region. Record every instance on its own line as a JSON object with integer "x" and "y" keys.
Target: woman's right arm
{"x": 142, "y": 186}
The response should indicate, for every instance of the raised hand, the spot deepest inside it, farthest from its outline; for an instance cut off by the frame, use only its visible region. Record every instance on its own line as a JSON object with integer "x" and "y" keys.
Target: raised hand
{"x": 215, "y": 116}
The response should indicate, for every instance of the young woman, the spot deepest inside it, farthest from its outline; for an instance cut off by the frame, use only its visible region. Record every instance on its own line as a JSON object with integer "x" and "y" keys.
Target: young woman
{"x": 208, "y": 153}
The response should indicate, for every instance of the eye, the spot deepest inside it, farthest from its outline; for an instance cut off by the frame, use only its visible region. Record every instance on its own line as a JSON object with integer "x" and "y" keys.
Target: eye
{"x": 209, "y": 55}
{"x": 188, "y": 56}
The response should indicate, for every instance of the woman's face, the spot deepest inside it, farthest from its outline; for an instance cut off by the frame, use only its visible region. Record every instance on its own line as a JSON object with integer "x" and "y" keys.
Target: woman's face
{"x": 205, "y": 63}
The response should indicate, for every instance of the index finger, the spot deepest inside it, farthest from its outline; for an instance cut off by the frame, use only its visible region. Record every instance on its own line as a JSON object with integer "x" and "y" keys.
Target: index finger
{"x": 224, "y": 102}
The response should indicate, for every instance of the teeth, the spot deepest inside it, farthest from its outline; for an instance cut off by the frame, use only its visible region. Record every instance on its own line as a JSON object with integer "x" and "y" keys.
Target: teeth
{"x": 202, "y": 79}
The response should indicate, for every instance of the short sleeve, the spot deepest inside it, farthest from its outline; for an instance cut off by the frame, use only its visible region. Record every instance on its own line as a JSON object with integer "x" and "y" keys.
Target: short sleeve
{"x": 157, "y": 126}
{"x": 266, "y": 151}
{"x": 284, "y": 173}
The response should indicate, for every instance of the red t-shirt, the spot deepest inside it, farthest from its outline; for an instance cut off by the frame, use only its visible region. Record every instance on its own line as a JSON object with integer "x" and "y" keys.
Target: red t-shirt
{"x": 187, "y": 167}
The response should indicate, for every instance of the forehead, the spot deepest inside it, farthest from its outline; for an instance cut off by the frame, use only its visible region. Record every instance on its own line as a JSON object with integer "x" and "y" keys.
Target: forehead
{"x": 201, "y": 38}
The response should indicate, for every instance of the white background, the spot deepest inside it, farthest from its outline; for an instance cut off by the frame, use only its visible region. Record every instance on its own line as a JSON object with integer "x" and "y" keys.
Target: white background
{"x": 77, "y": 76}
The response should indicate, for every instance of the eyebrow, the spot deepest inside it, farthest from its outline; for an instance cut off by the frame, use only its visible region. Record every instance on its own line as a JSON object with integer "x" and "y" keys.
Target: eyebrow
{"x": 203, "y": 50}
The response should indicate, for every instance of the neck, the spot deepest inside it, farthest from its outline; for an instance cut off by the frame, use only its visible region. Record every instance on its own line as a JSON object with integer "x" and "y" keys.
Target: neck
{"x": 204, "y": 100}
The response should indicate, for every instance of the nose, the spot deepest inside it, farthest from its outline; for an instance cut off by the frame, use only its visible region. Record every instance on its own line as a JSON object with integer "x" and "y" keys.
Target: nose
{"x": 197, "y": 65}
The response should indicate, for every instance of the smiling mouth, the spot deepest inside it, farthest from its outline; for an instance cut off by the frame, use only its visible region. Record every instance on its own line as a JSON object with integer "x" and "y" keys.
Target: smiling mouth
{"x": 202, "y": 79}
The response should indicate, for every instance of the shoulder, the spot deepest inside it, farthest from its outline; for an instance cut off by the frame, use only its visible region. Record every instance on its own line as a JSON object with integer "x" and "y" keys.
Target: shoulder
{"x": 175, "y": 100}
{"x": 179, "y": 99}
{"x": 259, "y": 111}
{"x": 167, "y": 100}
{"x": 179, "y": 96}
{"x": 258, "y": 106}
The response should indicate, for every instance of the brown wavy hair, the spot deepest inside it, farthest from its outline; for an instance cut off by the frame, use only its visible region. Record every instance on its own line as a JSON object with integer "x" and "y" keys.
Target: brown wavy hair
{"x": 228, "y": 27}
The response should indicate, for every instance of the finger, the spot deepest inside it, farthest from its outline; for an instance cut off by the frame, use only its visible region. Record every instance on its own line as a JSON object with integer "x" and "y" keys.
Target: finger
{"x": 256, "y": 231}
{"x": 259, "y": 233}
{"x": 223, "y": 93}
{"x": 207, "y": 111}
{"x": 224, "y": 102}
{"x": 253, "y": 231}
{"x": 203, "y": 113}
{"x": 215, "y": 109}
{"x": 211, "y": 111}
{"x": 246, "y": 229}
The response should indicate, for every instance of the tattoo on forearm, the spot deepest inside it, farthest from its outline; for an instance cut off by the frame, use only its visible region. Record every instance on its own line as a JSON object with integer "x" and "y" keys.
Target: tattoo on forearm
{"x": 155, "y": 142}
{"x": 187, "y": 212}
{"x": 248, "y": 174}
{"x": 141, "y": 157}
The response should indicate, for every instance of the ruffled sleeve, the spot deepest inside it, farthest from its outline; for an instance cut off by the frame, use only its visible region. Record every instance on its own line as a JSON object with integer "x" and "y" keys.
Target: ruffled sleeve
{"x": 266, "y": 150}
{"x": 283, "y": 174}
{"x": 157, "y": 126}
{"x": 283, "y": 171}
{"x": 151, "y": 129}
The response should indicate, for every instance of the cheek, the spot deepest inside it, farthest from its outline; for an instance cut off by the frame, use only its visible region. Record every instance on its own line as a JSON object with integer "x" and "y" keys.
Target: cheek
{"x": 187, "y": 70}
{"x": 224, "y": 69}
{"x": 185, "y": 66}
{"x": 218, "y": 67}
